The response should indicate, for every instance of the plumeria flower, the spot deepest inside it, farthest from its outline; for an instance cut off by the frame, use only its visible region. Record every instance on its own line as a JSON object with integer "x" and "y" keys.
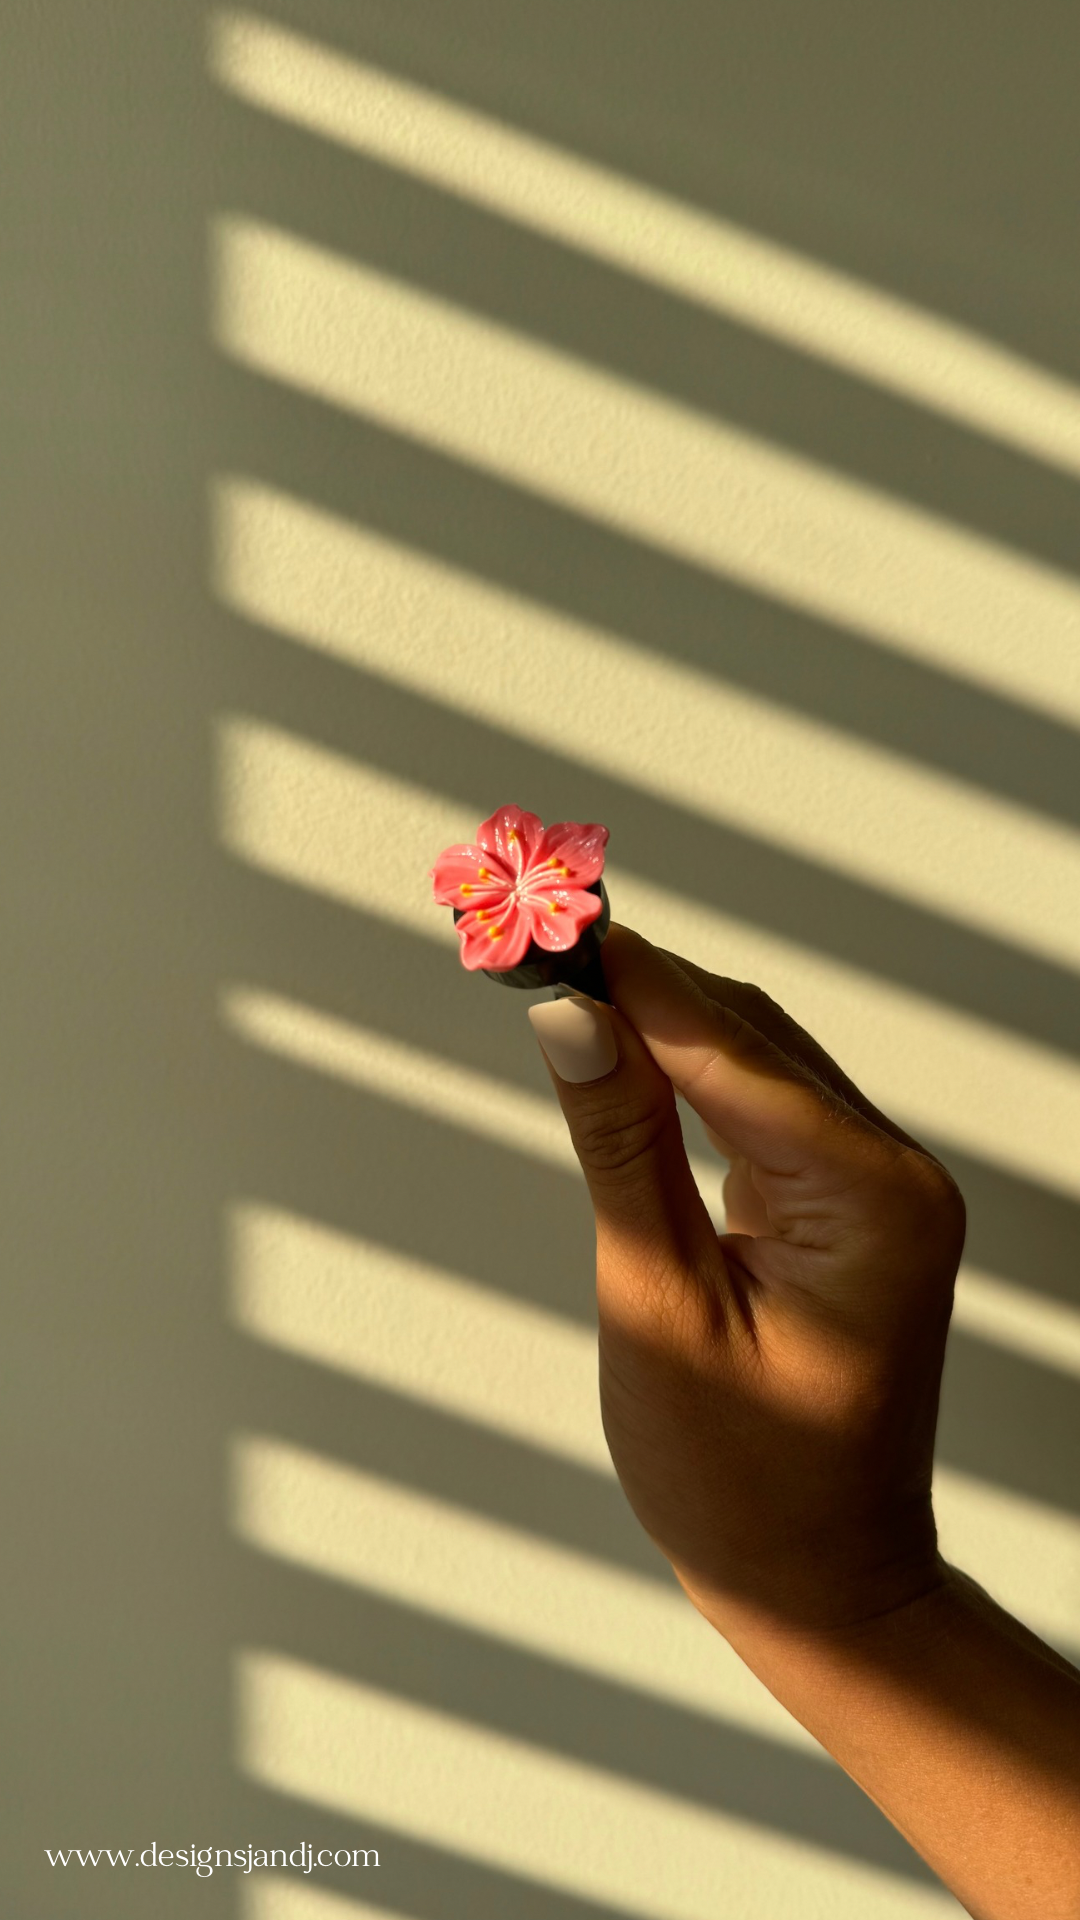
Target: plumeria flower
{"x": 520, "y": 882}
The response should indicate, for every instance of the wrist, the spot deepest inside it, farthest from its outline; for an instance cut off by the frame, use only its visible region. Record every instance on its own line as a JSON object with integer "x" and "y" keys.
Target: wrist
{"x": 947, "y": 1651}
{"x": 847, "y": 1588}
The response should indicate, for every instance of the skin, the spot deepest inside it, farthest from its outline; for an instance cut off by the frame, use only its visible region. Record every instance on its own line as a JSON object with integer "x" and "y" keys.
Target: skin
{"x": 770, "y": 1400}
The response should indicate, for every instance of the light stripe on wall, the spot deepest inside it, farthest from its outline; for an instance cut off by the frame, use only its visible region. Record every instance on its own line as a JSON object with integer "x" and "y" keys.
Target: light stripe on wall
{"x": 1025, "y": 1553}
{"x": 689, "y": 738}
{"x": 310, "y": 816}
{"x": 383, "y": 1316}
{"x": 496, "y": 1580}
{"x": 373, "y": 1313}
{"x": 378, "y": 1315}
{"x": 647, "y": 467}
{"x": 1044, "y": 1329}
{"x": 335, "y": 1743}
{"x": 273, "y": 1897}
{"x": 847, "y": 322}
{"x": 1047, "y": 1330}
{"x": 526, "y": 1122}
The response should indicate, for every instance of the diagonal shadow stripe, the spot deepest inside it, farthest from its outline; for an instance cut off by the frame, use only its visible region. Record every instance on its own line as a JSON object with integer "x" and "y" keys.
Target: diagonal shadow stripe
{"x": 338, "y": 1154}
{"x": 1008, "y": 1420}
{"x": 421, "y": 1882}
{"x": 363, "y": 208}
{"x": 559, "y": 558}
{"x": 730, "y": 135}
{"x": 358, "y": 715}
{"x": 356, "y": 967}
{"x": 342, "y": 1157}
{"x": 568, "y": 1712}
{"x": 414, "y": 1445}
{"x": 1016, "y": 1228}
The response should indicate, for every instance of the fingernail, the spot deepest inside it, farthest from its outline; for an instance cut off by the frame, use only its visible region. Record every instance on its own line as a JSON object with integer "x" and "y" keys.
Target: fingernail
{"x": 576, "y": 1036}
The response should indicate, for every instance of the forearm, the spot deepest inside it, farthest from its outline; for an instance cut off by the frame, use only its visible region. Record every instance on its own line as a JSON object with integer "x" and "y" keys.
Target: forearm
{"x": 962, "y": 1726}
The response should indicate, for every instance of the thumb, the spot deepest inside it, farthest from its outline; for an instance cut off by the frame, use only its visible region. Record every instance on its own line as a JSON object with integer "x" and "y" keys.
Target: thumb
{"x": 620, "y": 1109}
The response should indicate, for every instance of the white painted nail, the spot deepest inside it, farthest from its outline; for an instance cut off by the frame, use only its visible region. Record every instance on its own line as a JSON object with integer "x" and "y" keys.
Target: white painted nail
{"x": 576, "y": 1036}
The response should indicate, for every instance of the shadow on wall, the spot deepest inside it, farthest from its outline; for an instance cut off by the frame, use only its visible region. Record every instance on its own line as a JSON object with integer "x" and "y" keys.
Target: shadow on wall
{"x": 928, "y": 162}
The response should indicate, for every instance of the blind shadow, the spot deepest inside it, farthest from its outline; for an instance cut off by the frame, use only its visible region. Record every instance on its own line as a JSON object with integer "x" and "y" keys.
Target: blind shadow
{"x": 423, "y": 1879}
{"x": 565, "y": 1711}
{"x": 927, "y": 156}
{"x": 857, "y": 192}
{"x": 360, "y": 715}
{"x": 932, "y": 162}
{"x": 443, "y": 506}
{"x": 361, "y": 968}
{"x": 334, "y": 1154}
{"x": 364, "y": 209}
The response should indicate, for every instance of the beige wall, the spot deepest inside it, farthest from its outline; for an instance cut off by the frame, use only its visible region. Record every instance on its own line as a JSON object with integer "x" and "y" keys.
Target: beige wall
{"x": 669, "y": 417}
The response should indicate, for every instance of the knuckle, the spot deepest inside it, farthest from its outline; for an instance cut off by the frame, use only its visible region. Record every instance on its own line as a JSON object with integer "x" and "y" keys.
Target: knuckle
{"x": 737, "y": 1030}
{"x": 613, "y": 1139}
{"x": 936, "y": 1194}
{"x": 754, "y": 999}
{"x": 729, "y": 1023}
{"x": 752, "y": 1002}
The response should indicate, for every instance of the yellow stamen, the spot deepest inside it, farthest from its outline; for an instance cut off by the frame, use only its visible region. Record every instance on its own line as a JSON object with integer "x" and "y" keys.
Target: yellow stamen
{"x": 554, "y": 906}
{"x": 495, "y": 933}
{"x": 483, "y": 874}
{"x": 465, "y": 887}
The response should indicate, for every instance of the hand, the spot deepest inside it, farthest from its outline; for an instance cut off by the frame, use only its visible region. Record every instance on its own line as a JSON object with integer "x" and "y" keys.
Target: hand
{"x": 770, "y": 1394}
{"x": 770, "y": 1397}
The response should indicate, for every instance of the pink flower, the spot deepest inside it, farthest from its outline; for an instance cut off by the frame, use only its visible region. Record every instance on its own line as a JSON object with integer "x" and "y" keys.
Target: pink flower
{"x": 521, "y": 882}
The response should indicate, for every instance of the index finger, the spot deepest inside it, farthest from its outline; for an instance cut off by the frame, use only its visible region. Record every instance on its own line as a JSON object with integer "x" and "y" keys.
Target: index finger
{"x": 755, "y": 1006}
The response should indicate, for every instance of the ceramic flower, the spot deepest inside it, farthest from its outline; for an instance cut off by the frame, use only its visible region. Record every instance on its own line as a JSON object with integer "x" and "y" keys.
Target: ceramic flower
{"x": 521, "y": 882}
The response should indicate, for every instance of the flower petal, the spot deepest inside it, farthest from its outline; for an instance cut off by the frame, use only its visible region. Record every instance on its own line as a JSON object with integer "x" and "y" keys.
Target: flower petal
{"x": 512, "y": 836}
{"x": 494, "y": 941}
{"x": 558, "y": 917}
{"x": 575, "y": 851}
{"x": 467, "y": 875}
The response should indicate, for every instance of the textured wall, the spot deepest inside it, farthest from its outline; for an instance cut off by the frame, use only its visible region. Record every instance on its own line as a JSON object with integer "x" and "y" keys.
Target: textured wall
{"x": 663, "y": 416}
